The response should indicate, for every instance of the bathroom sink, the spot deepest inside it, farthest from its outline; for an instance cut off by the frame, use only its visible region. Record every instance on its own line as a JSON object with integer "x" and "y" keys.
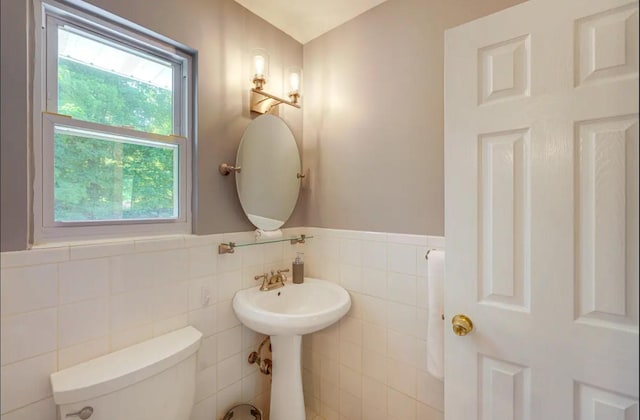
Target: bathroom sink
{"x": 294, "y": 309}
{"x": 287, "y": 313}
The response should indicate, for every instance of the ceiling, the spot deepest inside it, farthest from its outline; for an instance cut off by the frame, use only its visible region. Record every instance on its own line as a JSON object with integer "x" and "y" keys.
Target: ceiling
{"x": 307, "y": 19}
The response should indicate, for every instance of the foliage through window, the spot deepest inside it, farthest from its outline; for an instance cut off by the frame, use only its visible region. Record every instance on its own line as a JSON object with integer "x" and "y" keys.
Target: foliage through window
{"x": 115, "y": 147}
{"x": 109, "y": 179}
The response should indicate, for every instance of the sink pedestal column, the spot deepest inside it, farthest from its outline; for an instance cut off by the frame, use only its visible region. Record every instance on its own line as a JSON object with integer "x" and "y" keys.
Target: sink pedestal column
{"x": 287, "y": 399}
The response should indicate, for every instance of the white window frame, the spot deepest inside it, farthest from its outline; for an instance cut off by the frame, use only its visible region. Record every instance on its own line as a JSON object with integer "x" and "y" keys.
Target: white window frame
{"x": 49, "y": 15}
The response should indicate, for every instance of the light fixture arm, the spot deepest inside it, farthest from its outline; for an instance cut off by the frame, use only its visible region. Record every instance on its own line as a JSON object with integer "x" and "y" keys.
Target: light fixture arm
{"x": 262, "y": 102}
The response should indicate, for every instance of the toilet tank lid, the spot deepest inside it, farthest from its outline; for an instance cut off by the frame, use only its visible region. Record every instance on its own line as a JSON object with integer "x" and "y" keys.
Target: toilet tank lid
{"x": 125, "y": 367}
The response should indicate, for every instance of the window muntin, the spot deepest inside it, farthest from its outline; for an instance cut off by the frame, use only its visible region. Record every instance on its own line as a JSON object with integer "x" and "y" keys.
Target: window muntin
{"x": 112, "y": 161}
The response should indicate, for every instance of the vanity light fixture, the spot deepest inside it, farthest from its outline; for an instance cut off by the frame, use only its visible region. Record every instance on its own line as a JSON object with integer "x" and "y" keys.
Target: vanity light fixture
{"x": 261, "y": 101}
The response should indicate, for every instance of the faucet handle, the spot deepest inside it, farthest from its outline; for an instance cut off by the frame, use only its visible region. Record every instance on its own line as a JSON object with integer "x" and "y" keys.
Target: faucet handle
{"x": 265, "y": 280}
{"x": 286, "y": 270}
{"x": 262, "y": 276}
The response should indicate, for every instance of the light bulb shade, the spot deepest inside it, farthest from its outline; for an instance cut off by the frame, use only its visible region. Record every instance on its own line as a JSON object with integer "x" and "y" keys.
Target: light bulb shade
{"x": 259, "y": 63}
{"x": 293, "y": 82}
{"x": 259, "y": 67}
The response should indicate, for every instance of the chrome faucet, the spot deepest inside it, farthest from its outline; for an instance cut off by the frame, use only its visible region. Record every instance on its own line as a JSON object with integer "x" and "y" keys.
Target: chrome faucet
{"x": 273, "y": 281}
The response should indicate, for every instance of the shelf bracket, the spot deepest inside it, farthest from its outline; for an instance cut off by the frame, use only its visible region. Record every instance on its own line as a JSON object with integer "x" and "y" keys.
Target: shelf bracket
{"x": 226, "y": 248}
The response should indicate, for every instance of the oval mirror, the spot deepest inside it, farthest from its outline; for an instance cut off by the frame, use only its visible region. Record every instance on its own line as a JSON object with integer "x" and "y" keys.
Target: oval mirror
{"x": 268, "y": 182}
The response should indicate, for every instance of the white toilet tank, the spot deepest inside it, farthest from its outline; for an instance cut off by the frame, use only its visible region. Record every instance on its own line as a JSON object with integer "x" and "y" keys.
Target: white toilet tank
{"x": 153, "y": 380}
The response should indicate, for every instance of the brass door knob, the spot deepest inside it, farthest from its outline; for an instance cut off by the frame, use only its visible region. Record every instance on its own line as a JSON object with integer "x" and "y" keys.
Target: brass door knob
{"x": 462, "y": 325}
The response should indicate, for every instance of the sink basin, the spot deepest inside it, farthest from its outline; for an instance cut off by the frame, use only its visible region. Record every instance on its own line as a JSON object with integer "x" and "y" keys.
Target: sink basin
{"x": 293, "y": 309}
{"x": 286, "y": 314}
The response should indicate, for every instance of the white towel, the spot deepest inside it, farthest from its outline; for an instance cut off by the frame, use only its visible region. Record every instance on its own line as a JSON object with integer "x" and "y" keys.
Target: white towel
{"x": 435, "y": 334}
{"x": 267, "y": 235}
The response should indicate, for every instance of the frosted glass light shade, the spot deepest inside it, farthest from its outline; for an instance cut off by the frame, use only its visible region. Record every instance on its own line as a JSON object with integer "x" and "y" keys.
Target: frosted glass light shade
{"x": 259, "y": 67}
{"x": 293, "y": 82}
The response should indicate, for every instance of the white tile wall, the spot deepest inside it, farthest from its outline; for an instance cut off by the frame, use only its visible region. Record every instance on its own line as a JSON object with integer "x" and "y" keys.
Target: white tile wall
{"x": 26, "y": 381}
{"x": 379, "y": 371}
{"x": 28, "y": 288}
{"x": 82, "y": 321}
{"x": 68, "y": 304}
{"x": 27, "y": 335}
{"x": 74, "y": 283}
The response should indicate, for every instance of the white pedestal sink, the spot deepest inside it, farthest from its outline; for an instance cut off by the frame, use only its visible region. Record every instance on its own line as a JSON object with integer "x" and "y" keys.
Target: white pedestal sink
{"x": 286, "y": 314}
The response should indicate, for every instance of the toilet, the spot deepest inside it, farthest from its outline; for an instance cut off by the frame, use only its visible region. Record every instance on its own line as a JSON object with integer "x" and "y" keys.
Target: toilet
{"x": 152, "y": 380}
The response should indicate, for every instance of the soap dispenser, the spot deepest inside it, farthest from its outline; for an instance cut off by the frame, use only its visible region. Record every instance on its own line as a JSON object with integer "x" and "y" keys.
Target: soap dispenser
{"x": 298, "y": 269}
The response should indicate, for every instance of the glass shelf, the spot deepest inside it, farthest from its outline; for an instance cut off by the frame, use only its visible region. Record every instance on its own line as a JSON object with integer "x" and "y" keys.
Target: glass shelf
{"x": 229, "y": 247}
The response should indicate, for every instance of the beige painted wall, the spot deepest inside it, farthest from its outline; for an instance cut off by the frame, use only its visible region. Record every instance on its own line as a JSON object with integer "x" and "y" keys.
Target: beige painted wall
{"x": 372, "y": 108}
{"x": 223, "y": 33}
{"x": 14, "y": 111}
{"x": 373, "y": 117}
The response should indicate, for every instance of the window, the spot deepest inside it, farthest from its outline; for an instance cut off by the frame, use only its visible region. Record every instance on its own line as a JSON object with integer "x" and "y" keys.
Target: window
{"x": 113, "y": 153}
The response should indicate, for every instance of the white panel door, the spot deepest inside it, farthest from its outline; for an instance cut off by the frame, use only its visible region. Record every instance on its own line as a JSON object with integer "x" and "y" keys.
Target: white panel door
{"x": 541, "y": 205}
